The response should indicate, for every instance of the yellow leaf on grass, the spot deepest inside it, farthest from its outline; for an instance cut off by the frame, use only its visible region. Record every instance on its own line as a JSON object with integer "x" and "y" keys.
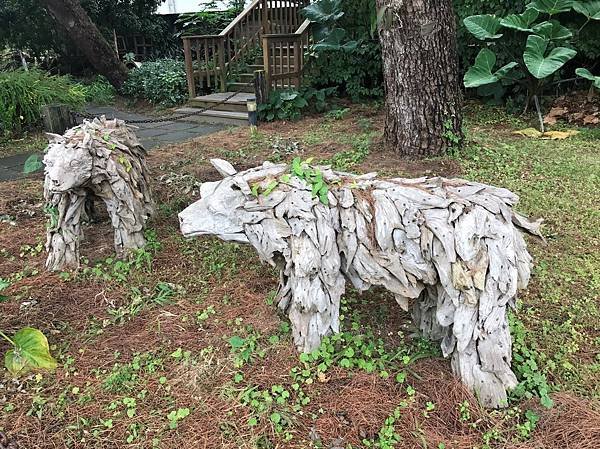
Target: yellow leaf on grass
{"x": 559, "y": 135}
{"x": 322, "y": 378}
{"x": 528, "y": 132}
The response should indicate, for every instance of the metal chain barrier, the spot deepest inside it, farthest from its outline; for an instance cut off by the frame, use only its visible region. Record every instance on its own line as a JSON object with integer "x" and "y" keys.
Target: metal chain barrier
{"x": 171, "y": 119}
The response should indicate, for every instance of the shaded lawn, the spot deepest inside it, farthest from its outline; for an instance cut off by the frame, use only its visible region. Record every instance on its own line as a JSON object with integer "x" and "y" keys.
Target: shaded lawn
{"x": 183, "y": 347}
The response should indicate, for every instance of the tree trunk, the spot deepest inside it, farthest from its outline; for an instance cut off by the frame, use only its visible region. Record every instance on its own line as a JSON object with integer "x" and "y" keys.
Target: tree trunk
{"x": 422, "y": 83}
{"x": 70, "y": 15}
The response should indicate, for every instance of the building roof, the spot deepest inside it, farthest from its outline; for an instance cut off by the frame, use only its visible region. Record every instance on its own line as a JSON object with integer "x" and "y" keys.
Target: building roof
{"x": 183, "y": 6}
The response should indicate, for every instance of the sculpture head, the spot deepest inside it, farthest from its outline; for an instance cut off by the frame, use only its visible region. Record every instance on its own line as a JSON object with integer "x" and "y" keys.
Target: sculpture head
{"x": 214, "y": 213}
{"x": 66, "y": 166}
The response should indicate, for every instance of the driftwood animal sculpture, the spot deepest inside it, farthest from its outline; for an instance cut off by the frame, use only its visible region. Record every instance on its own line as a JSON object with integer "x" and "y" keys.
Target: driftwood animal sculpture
{"x": 450, "y": 247}
{"x": 98, "y": 159}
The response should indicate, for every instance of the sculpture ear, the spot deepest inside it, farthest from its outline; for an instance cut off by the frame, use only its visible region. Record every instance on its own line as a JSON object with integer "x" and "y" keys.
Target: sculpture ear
{"x": 223, "y": 167}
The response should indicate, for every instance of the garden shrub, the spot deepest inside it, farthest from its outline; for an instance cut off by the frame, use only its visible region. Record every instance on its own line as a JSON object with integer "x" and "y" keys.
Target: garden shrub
{"x": 347, "y": 53}
{"x": 358, "y": 72}
{"x": 99, "y": 91}
{"x": 161, "y": 82}
{"x": 23, "y": 93}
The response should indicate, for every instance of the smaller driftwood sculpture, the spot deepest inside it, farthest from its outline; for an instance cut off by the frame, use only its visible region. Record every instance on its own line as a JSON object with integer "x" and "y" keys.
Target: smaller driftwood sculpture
{"x": 451, "y": 247}
{"x": 99, "y": 159}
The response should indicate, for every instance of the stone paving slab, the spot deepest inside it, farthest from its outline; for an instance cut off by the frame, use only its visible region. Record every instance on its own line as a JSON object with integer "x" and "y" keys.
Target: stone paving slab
{"x": 151, "y": 135}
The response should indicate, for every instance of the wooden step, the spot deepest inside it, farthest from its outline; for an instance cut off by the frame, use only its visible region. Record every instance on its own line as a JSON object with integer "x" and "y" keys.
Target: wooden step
{"x": 216, "y": 117}
{"x": 241, "y": 87}
{"x": 235, "y": 104}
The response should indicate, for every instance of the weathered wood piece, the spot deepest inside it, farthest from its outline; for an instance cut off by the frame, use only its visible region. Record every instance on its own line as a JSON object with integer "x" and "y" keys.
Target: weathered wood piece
{"x": 57, "y": 118}
{"x": 98, "y": 159}
{"x": 450, "y": 249}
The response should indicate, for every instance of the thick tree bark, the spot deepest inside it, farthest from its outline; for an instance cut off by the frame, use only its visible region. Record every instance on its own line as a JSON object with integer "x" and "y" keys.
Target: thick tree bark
{"x": 70, "y": 15}
{"x": 422, "y": 83}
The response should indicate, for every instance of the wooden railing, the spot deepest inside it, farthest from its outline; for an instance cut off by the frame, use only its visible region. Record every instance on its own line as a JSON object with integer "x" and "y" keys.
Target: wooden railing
{"x": 283, "y": 56}
{"x": 209, "y": 60}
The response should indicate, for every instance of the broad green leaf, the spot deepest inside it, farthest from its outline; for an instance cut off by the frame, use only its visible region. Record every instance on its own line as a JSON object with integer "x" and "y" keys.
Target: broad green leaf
{"x": 480, "y": 73}
{"x": 540, "y": 65}
{"x": 237, "y": 342}
{"x": 32, "y": 164}
{"x": 31, "y": 352}
{"x": 590, "y": 9}
{"x": 551, "y": 6}
{"x": 324, "y": 11}
{"x": 585, "y": 73}
{"x": 552, "y": 30}
{"x": 483, "y": 26}
{"x": 520, "y": 22}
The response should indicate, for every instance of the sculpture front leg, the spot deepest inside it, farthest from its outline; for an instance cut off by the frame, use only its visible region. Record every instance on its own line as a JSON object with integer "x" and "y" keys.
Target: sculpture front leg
{"x": 311, "y": 292}
{"x": 64, "y": 230}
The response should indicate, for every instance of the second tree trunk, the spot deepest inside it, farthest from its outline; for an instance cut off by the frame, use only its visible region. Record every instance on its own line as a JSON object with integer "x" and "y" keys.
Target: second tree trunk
{"x": 422, "y": 82}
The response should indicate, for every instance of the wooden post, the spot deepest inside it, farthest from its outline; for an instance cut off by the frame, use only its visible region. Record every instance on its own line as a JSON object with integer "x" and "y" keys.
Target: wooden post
{"x": 261, "y": 87}
{"x": 297, "y": 68}
{"x": 267, "y": 60}
{"x": 222, "y": 66}
{"x": 189, "y": 67}
{"x": 266, "y": 29}
{"x": 57, "y": 118}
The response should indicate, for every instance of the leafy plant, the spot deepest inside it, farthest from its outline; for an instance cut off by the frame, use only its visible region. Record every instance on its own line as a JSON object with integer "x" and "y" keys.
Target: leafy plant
{"x": 312, "y": 176}
{"x": 30, "y": 352}
{"x": 4, "y": 284}
{"x": 177, "y": 415}
{"x": 32, "y": 164}
{"x": 585, "y": 73}
{"x": 99, "y": 91}
{"x": 288, "y": 104}
{"x": 544, "y": 46}
{"x": 161, "y": 82}
{"x": 23, "y": 93}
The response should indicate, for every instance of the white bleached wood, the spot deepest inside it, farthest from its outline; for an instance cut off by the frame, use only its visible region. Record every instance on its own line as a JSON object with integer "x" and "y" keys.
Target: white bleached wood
{"x": 98, "y": 159}
{"x": 450, "y": 249}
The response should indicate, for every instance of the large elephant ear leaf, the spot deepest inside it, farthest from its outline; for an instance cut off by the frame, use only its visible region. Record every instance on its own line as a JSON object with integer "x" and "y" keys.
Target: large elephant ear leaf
{"x": 520, "y": 22}
{"x": 483, "y": 26}
{"x": 540, "y": 65}
{"x": 324, "y": 11}
{"x": 31, "y": 351}
{"x": 480, "y": 73}
{"x": 552, "y": 30}
{"x": 590, "y": 9}
{"x": 551, "y": 6}
{"x": 585, "y": 73}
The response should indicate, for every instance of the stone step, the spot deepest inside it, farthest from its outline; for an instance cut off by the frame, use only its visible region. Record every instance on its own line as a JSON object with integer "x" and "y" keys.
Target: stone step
{"x": 216, "y": 117}
{"x": 234, "y": 104}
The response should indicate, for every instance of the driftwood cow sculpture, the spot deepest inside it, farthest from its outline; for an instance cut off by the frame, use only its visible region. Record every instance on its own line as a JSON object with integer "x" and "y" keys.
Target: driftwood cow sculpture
{"x": 450, "y": 247}
{"x": 98, "y": 159}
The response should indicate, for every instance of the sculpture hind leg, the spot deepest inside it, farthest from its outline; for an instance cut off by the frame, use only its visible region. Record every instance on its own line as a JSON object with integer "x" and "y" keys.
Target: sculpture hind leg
{"x": 127, "y": 214}
{"x": 64, "y": 229}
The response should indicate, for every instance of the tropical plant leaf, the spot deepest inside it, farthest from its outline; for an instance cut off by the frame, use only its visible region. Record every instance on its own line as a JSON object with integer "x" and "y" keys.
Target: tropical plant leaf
{"x": 585, "y": 73}
{"x": 540, "y": 65}
{"x": 552, "y": 30}
{"x": 32, "y": 164}
{"x": 31, "y": 351}
{"x": 324, "y": 11}
{"x": 590, "y": 9}
{"x": 551, "y": 6}
{"x": 481, "y": 73}
{"x": 520, "y": 22}
{"x": 483, "y": 26}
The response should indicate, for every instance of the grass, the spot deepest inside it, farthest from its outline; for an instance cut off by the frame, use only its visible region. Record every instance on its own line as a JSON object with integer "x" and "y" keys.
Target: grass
{"x": 183, "y": 346}
{"x": 31, "y": 142}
